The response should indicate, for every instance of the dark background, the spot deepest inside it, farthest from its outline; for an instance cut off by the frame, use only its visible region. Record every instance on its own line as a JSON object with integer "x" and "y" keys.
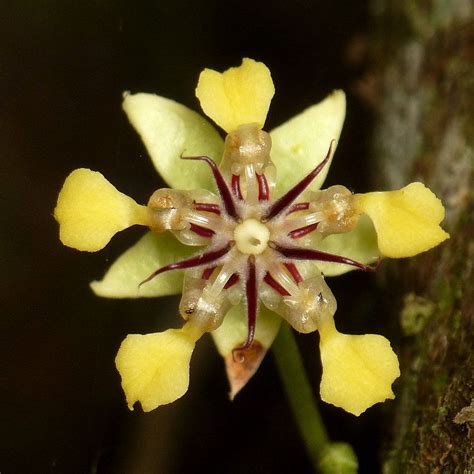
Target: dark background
{"x": 64, "y": 66}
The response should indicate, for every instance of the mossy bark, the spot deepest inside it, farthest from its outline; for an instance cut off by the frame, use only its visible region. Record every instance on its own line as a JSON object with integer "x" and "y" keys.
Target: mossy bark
{"x": 423, "y": 93}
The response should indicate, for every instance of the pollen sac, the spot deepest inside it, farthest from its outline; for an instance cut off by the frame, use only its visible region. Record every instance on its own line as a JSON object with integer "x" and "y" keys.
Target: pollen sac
{"x": 336, "y": 205}
{"x": 248, "y": 146}
{"x": 309, "y": 305}
{"x": 201, "y": 307}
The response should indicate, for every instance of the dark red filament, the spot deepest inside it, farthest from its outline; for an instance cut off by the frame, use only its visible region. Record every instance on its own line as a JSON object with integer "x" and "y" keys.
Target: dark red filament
{"x": 206, "y": 207}
{"x": 263, "y": 189}
{"x": 291, "y": 267}
{"x": 270, "y": 281}
{"x": 300, "y": 206}
{"x": 224, "y": 191}
{"x": 302, "y": 231}
{"x": 206, "y": 274}
{"x": 202, "y": 231}
{"x": 285, "y": 201}
{"x": 298, "y": 253}
{"x": 231, "y": 281}
{"x": 236, "y": 186}
{"x": 251, "y": 292}
{"x": 196, "y": 261}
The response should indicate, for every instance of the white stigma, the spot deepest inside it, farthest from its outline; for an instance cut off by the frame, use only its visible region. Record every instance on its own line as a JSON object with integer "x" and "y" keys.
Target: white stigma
{"x": 251, "y": 237}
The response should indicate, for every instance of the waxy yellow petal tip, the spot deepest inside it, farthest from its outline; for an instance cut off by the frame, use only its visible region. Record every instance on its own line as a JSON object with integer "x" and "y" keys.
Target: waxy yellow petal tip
{"x": 407, "y": 221}
{"x": 239, "y": 96}
{"x": 155, "y": 367}
{"x": 358, "y": 371}
{"x": 90, "y": 211}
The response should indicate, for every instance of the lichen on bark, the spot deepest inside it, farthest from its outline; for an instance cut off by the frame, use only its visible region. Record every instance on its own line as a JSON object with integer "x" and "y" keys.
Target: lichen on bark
{"x": 425, "y": 131}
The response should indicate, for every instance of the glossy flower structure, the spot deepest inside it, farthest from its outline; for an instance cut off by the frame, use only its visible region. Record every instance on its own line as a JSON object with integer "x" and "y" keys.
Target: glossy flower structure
{"x": 266, "y": 243}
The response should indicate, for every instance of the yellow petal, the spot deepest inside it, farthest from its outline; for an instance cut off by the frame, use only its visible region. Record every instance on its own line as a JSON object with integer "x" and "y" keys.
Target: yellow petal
{"x": 90, "y": 211}
{"x": 155, "y": 367}
{"x": 358, "y": 371}
{"x": 239, "y": 96}
{"x": 406, "y": 221}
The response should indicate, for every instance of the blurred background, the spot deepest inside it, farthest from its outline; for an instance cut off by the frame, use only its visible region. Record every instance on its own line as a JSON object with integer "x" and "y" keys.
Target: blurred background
{"x": 63, "y": 68}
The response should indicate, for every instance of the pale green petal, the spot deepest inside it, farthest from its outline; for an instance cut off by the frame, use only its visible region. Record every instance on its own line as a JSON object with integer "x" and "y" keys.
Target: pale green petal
{"x": 138, "y": 262}
{"x": 233, "y": 334}
{"x": 170, "y": 130}
{"x": 301, "y": 143}
{"x": 359, "y": 244}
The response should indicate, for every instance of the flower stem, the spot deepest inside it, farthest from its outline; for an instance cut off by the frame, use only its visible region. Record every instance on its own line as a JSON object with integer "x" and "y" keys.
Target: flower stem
{"x": 300, "y": 394}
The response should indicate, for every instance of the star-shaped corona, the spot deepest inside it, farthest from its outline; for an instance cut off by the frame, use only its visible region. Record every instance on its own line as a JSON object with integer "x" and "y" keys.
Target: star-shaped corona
{"x": 264, "y": 243}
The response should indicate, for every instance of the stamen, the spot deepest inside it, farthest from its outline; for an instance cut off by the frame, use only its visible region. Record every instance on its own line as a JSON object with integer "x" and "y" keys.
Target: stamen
{"x": 236, "y": 186}
{"x": 263, "y": 189}
{"x": 281, "y": 274}
{"x": 291, "y": 267}
{"x": 231, "y": 281}
{"x": 206, "y": 207}
{"x": 196, "y": 261}
{"x": 270, "y": 281}
{"x": 251, "y": 292}
{"x": 251, "y": 184}
{"x": 302, "y": 231}
{"x": 204, "y": 220}
{"x": 224, "y": 191}
{"x": 300, "y": 206}
{"x": 221, "y": 279}
{"x": 298, "y": 253}
{"x": 285, "y": 201}
{"x": 201, "y": 231}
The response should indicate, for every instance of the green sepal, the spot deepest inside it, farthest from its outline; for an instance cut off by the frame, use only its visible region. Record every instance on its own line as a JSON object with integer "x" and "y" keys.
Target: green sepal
{"x": 301, "y": 143}
{"x": 233, "y": 334}
{"x": 151, "y": 252}
{"x": 170, "y": 130}
{"x": 359, "y": 244}
{"x": 233, "y": 331}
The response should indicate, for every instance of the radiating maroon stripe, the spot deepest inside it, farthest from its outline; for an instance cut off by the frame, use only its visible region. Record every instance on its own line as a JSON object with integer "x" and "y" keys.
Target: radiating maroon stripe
{"x": 298, "y": 253}
{"x": 207, "y": 207}
{"x": 202, "y": 231}
{"x": 291, "y": 267}
{"x": 270, "y": 281}
{"x": 236, "y": 186}
{"x": 196, "y": 261}
{"x": 263, "y": 189}
{"x": 224, "y": 191}
{"x": 285, "y": 201}
{"x": 300, "y": 206}
{"x": 251, "y": 292}
{"x": 232, "y": 281}
{"x": 302, "y": 231}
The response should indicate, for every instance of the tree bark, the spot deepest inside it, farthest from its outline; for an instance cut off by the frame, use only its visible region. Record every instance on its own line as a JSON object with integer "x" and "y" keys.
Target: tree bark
{"x": 423, "y": 92}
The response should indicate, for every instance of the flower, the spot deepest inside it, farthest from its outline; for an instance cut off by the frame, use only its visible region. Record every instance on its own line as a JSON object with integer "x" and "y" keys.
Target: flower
{"x": 267, "y": 244}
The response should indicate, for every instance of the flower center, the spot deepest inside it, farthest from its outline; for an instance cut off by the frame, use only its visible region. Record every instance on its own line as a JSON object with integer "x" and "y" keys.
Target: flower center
{"x": 251, "y": 237}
